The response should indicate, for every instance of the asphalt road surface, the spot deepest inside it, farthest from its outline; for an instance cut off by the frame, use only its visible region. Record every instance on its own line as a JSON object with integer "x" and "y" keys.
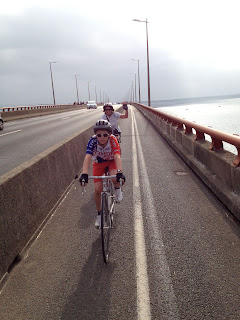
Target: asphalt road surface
{"x": 22, "y": 139}
{"x": 174, "y": 251}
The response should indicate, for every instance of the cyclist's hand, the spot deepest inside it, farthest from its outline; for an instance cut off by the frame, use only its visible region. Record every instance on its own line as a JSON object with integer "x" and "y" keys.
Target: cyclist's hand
{"x": 125, "y": 106}
{"x": 120, "y": 175}
{"x": 83, "y": 179}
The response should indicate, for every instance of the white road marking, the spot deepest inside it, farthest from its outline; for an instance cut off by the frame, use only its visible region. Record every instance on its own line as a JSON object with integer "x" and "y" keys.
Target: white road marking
{"x": 157, "y": 245}
{"x": 4, "y": 134}
{"x": 65, "y": 118}
{"x": 143, "y": 299}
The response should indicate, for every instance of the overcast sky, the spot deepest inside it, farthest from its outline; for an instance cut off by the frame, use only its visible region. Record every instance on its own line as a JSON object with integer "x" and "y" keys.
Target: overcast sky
{"x": 194, "y": 49}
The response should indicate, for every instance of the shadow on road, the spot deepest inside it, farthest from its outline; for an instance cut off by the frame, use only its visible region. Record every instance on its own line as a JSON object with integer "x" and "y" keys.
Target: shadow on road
{"x": 91, "y": 299}
{"x": 89, "y": 210}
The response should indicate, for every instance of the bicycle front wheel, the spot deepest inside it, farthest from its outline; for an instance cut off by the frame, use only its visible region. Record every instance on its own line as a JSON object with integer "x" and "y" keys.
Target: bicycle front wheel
{"x": 111, "y": 199}
{"x": 105, "y": 226}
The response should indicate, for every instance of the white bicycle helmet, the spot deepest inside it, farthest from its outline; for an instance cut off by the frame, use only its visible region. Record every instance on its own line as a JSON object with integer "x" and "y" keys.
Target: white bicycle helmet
{"x": 102, "y": 125}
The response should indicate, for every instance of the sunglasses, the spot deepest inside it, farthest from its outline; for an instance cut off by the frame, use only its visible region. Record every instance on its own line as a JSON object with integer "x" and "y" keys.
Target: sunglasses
{"x": 105, "y": 135}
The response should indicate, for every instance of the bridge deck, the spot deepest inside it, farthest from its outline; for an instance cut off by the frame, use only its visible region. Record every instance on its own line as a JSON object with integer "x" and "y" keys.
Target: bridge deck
{"x": 191, "y": 248}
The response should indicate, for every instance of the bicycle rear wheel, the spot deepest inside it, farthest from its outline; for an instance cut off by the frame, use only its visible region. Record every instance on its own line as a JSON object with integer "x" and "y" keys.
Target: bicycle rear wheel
{"x": 105, "y": 226}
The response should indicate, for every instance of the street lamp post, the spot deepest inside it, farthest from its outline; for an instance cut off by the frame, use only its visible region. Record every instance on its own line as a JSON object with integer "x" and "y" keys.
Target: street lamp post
{"x": 139, "y": 90}
{"x": 89, "y": 98}
{"x": 132, "y": 99}
{"x": 76, "y": 75}
{"x": 50, "y": 62}
{"x": 96, "y": 94}
{"x": 135, "y": 86}
{"x": 149, "y": 98}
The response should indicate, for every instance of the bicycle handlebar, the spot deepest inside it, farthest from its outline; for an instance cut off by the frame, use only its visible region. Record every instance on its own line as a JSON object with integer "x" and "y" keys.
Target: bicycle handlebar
{"x": 98, "y": 177}
{"x": 102, "y": 177}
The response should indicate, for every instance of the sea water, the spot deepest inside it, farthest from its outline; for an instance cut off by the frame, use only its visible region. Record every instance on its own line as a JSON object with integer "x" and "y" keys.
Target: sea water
{"x": 220, "y": 113}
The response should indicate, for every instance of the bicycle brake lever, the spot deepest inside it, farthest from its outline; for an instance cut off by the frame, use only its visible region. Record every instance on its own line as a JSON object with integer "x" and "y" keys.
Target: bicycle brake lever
{"x": 120, "y": 181}
{"x": 83, "y": 186}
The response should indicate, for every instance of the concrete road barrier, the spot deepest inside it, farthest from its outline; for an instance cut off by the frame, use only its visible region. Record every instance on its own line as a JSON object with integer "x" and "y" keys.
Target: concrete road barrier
{"x": 15, "y": 115}
{"x": 29, "y": 193}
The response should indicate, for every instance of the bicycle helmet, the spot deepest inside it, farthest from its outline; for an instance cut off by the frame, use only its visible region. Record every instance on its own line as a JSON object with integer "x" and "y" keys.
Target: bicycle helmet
{"x": 102, "y": 125}
{"x": 108, "y": 105}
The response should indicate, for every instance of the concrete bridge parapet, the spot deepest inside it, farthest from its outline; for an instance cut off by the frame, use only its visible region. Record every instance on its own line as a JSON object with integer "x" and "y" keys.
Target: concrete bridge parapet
{"x": 215, "y": 168}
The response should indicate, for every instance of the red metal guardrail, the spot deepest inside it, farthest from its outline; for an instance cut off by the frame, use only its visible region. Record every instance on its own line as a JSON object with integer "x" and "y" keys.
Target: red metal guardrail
{"x": 217, "y": 136}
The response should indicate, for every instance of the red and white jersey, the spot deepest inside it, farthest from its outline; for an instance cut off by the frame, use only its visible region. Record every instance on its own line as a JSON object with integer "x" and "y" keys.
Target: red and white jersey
{"x": 101, "y": 154}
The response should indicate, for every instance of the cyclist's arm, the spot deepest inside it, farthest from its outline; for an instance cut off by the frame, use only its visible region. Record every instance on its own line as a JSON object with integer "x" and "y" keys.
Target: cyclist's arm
{"x": 86, "y": 163}
{"x": 117, "y": 159}
{"x": 124, "y": 116}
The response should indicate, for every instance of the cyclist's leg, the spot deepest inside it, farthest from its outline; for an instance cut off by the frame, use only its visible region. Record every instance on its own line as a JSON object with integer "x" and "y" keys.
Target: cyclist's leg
{"x": 97, "y": 195}
{"x": 119, "y": 137}
{"x": 113, "y": 171}
{"x": 118, "y": 191}
{"x": 98, "y": 170}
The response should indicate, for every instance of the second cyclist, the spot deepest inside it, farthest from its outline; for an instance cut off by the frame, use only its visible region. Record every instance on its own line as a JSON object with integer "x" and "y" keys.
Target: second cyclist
{"x": 112, "y": 116}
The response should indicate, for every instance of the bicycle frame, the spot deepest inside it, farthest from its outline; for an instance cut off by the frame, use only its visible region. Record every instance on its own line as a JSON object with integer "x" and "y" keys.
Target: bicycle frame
{"x": 106, "y": 189}
{"x": 107, "y": 211}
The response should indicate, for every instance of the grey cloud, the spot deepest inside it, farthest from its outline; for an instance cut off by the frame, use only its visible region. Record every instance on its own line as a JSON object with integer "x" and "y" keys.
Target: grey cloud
{"x": 78, "y": 44}
{"x": 95, "y": 49}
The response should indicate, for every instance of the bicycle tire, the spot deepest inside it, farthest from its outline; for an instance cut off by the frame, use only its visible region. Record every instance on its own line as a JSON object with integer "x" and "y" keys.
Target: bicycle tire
{"x": 105, "y": 226}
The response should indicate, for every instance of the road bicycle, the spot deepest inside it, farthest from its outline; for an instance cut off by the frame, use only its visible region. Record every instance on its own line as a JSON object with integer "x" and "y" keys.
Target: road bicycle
{"x": 108, "y": 203}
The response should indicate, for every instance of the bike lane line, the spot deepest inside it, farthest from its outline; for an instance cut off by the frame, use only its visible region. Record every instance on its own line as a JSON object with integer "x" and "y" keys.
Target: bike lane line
{"x": 5, "y": 134}
{"x": 143, "y": 299}
{"x": 157, "y": 245}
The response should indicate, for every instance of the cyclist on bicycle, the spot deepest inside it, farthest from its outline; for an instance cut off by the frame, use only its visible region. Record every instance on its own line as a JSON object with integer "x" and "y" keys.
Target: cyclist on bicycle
{"x": 104, "y": 149}
{"x": 112, "y": 116}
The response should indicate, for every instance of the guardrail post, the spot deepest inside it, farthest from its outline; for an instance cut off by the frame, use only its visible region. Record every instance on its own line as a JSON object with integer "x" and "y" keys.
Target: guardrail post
{"x": 237, "y": 160}
{"x": 216, "y": 144}
{"x": 188, "y": 130}
{"x": 179, "y": 126}
{"x": 199, "y": 135}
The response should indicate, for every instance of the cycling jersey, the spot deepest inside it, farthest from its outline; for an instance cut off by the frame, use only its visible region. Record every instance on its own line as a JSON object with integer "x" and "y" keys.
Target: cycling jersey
{"x": 103, "y": 154}
{"x": 113, "y": 119}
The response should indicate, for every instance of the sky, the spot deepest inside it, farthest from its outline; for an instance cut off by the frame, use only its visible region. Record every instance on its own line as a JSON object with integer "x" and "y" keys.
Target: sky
{"x": 194, "y": 49}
